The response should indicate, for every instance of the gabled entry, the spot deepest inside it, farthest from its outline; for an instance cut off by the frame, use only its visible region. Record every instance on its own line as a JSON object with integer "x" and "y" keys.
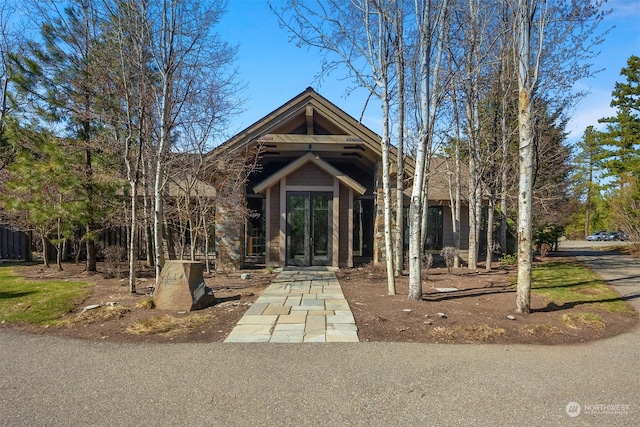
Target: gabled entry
{"x": 315, "y": 163}
{"x": 312, "y": 198}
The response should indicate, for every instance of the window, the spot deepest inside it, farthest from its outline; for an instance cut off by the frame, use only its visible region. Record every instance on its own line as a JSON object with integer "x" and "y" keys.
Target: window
{"x": 256, "y": 226}
{"x": 363, "y": 228}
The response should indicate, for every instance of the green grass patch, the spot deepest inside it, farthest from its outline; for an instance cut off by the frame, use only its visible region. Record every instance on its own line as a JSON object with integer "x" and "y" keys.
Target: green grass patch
{"x": 37, "y": 302}
{"x": 570, "y": 283}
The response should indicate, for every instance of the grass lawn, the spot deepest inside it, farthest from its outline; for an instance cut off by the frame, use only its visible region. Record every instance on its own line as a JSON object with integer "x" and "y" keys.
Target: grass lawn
{"x": 570, "y": 283}
{"x": 37, "y": 302}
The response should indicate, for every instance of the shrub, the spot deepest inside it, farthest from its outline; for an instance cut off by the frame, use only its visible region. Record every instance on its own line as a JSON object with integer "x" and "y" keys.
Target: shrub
{"x": 113, "y": 259}
{"x": 508, "y": 260}
{"x": 449, "y": 253}
{"x": 548, "y": 234}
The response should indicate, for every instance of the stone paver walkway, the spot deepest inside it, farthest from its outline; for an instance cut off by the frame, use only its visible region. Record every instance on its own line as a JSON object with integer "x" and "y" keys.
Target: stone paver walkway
{"x": 299, "y": 306}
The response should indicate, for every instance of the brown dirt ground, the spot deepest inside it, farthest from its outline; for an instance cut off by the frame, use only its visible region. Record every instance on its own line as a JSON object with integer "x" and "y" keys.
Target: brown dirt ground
{"x": 477, "y": 313}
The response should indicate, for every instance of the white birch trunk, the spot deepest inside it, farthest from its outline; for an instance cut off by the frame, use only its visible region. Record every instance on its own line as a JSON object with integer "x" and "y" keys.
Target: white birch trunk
{"x": 473, "y": 213}
{"x": 455, "y": 188}
{"x": 525, "y": 183}
{"x": 400, "y": 70}
{"x": 428, "y": 107}
{"x": 133, "y": 236}
{"x": 490, "y": 220}
{"x": 157, "y": 218}
{"x": 386, "y": 190}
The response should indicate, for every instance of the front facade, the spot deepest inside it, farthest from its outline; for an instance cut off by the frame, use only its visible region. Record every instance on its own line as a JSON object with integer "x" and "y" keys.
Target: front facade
{"x": 316, "y": 199}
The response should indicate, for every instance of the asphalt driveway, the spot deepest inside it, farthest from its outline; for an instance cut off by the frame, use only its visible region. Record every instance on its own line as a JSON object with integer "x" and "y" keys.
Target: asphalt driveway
{"x": 54, "y": 382}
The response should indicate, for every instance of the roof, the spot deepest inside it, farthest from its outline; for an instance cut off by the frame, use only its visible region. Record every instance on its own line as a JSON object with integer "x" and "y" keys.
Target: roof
{"x": 289, "y": 125}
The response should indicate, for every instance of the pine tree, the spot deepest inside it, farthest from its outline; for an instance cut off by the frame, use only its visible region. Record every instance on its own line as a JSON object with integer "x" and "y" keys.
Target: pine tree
{"x": 44, "y": 187}
{"x": 622, "y": 140}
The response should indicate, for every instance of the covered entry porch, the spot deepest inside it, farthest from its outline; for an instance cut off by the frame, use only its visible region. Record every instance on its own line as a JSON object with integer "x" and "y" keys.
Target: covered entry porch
{"x": 308, "y": 209}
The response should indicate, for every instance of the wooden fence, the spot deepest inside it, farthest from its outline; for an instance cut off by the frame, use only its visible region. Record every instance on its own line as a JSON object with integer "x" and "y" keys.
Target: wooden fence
{"x": 17, "y": 245}
{"x": 14, "y": 244}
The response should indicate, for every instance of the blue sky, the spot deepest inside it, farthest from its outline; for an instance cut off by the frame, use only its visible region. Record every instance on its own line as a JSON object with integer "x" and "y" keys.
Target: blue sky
{"x": 275, "y": 70}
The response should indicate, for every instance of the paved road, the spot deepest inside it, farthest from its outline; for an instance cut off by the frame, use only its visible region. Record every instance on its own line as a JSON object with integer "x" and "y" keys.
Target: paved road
{"x": 53, "y": 382}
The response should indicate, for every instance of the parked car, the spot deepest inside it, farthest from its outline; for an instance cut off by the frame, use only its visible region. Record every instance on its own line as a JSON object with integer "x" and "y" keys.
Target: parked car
{"x": 617, "y": 235}
{"x": 598, "y": 235}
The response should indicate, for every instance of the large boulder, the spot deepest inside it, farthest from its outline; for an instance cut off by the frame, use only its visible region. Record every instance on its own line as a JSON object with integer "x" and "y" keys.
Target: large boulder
{"x": 181, "y": 287}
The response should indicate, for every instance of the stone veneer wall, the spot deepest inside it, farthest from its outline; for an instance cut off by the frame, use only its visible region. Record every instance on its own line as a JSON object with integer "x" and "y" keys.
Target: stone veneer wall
{"x": 273, "y": 245}
{"x": 229, "y": 229}
{"x": 343, "y": 253}
{"x": 378, "y": 220}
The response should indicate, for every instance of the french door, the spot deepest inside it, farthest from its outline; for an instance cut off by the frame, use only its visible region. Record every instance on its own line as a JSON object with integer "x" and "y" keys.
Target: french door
{"x": 309, "y": 228}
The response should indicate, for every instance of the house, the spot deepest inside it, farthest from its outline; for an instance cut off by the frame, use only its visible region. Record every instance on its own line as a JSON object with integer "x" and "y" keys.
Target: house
{"x": 317, "y": 195}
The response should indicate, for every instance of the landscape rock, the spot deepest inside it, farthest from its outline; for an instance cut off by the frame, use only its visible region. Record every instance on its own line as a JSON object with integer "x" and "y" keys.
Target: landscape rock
{"x": 90, "y": 307}
{"x": 181, "y": 287}
{"x": 510, "y": 317}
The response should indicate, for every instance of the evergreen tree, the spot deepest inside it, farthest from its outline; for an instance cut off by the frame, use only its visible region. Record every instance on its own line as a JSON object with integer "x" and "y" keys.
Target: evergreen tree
{"x": 587, "y": 167}
{"x": 44, "y": 187}
{"x": 59, "y": 76}
{"x": 622, "y": 140}
{"x": 622, "y": 136}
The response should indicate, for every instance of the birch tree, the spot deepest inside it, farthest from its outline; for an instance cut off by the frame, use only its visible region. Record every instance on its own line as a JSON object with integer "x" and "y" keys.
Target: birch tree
{"x": 358, "y": 34}
{"x": 398, "y": 17}
{"x": 184, "y": 51}
{"x": 552, "y": 41}
{"x": 127, "y": 100}
{"x": 431, "y": 28}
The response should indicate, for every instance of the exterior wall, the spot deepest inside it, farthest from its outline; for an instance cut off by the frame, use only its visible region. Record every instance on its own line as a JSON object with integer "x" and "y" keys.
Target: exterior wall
{"x": 378, "y": 221}
{"x": 273, "y": 227}
{"x": 229, "y": 237}
{"x": 309, "y": 175}
{"x": 346, "y": 227}
{"x": 307, "y": 178}
{"x": 464, "y": 227}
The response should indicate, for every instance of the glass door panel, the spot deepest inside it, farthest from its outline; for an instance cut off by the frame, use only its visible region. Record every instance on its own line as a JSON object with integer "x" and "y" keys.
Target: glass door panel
{"x": 320, "y": 223}
{"x": 309, "y": 223}
{"x": 298, "y": 229}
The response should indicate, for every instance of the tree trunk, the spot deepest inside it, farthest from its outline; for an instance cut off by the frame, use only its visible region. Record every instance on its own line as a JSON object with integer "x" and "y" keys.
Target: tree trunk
{"x": 490, "y": 219}
{"x": 523, "y": 293}
{"x": 91, "y": 242}
{"x": 158, "y": 218}
{"x": 91, "y": 251}
{"x": 456, "y": 192}
{"x": 207, "y": 262}
{"x": 587, "y": 216}
{"x": 399, "y": 264}
{"x": 59, "y": 256}
{"x": 415, "y": 221}
{"x": 386, "y": 194}
{"x": 149, "y": 240}
{"x": 45, "y": 250}
{"x": 525, "y": 183}
{"x": 133, "y": 237}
